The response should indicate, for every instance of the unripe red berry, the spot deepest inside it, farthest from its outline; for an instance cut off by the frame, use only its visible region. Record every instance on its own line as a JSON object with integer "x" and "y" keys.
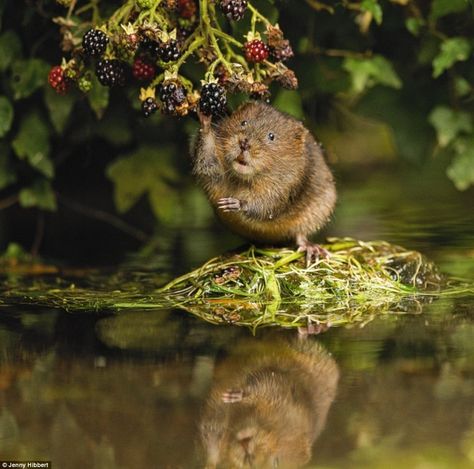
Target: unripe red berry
{"x": 142, "y": 70}
{"x": 256, "y": 51}
{"x": 187, "y": 8}
{"x": 58, "y": 80}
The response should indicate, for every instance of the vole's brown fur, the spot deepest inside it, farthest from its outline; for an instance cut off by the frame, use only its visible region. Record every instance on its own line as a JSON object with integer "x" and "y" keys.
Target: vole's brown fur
{"x": 268, "y": 189}
{"x": 268, "y": 405}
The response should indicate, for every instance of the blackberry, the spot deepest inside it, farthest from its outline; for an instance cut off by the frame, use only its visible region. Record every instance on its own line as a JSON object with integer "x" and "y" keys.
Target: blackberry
{"x": 256, "y": 51}
{"x": 213, "y": 100}
{"x": 172, "y": 95}
{"x": 171, "y": 5}
{"x": 185, "y": 29}
{"x": 282, "y": 53}
{"x": 169, "y": 51}
{"x": 84, "y": 84}
{"x": 234, "y": 9}
{"x": 143, "y": 70}
{"x": 151, "y": 47}
{"x": 57, "y": 80}
{"x": 144, "y": 4}
{"x": 111, "y": 72}
{"x": 149, "y": 107}
{"x": 94, "y": 42}
{"x": 187, "y": 8}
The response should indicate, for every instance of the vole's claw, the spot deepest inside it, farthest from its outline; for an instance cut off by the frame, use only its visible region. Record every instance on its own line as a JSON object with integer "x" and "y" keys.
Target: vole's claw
{"x": 230, "y": 396}
{"x": 229, "y": 204}
{"x": 312, "y": 329}
{"x": 314, "y": 252}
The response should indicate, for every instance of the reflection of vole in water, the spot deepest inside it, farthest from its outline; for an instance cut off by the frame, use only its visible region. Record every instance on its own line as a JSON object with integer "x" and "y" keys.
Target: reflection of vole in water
{"x": 266, "y": 175}
{"x": 267, "y": 410}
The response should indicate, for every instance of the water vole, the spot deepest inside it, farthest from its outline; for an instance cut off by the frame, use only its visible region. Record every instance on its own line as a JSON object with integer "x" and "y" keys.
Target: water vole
{"x": 265, "y": 175}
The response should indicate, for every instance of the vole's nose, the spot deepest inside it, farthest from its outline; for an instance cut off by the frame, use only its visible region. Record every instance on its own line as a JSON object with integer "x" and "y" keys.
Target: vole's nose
{"x": 244, "y": 144}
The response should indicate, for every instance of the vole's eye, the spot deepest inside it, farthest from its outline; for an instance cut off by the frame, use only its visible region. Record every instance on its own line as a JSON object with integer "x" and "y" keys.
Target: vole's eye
{"x": 271, "y": 136}
{"x": 243, "y": 123}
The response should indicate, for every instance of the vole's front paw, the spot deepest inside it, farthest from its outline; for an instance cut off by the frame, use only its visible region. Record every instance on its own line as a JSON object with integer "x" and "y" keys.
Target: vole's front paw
{"x": 230, "y": 396}
{"x": 204, "y": 120}
{"x": 229, "y": 204}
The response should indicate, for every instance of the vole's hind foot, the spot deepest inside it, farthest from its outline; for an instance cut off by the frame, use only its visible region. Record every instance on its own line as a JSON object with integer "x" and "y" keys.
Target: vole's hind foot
{"x": 231, "y": 396}
{"x": 229, "y": 204}
{"x": 313, "y": 251}
{"x": 312, "y": 329}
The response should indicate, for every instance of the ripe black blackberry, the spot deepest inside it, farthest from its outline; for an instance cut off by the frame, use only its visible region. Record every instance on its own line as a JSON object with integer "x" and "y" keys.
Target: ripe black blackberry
{"x": 94, "y": 42}
{"x": 151, "y": 47}
{"x": 234, "y": 9}
{"x": 169, "y": 51}
{"x": 111, "y": 72}
{"x": 149, "y": 107}
{"x": 172, "y": 95}
{"x": 213, "y": 100}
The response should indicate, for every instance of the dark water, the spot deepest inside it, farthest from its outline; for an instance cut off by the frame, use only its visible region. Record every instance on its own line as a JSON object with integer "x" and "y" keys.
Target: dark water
{"x": 161, "y": 389}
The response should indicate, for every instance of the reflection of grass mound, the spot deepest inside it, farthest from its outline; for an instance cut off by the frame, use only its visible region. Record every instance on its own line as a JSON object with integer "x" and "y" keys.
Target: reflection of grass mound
{"x": 259, "y": 286}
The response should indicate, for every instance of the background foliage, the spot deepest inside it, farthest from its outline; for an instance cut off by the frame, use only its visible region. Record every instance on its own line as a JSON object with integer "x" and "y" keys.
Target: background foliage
{"x": 405, "y": 63}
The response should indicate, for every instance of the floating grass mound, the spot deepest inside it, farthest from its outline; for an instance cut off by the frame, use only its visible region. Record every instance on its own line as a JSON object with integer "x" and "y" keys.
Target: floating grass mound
{"x": 358, "y": 280}
{"x": 355, "y": 283}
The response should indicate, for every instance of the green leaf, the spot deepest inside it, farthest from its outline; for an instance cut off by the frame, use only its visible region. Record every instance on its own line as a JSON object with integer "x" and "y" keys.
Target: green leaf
{"x": 7, "y": 175}
{"x": 449, "y": 124}
{"x": 374, "y": 8}
{"x": 452, "y": 50}
{"x": 28, "y": 76}
{"x": 462, "y": 87}
{"x": 461, "y": 170}
{"x": 290, "y": 102}
{"x": 6, "y": 115}
{"x": 440, "y": 8}
{"x": 115, "y": 127}
{"x": 32, "y": 144}
{"x": 10, "y": 49}
{"x": 414, "y": 25}
{"x": 98, "y": 97}
{"x": 40, "y": 195}
{"x": 59, "y": 107}
{"x": 366, "y": 73}
{"x": 146, "y": 171}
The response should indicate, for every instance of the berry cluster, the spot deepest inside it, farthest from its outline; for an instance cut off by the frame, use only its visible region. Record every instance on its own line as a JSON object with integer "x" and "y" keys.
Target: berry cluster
{"x": 148, "y": 41}
{"x": 213, "y": 100}
{"x": 172, "y": 95}
{"x": 256, "y": 51}
{"x": 234, "y": 9}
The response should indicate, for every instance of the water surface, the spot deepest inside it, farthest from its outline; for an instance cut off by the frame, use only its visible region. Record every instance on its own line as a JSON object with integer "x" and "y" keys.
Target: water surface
{"x": 162, "y": 389}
